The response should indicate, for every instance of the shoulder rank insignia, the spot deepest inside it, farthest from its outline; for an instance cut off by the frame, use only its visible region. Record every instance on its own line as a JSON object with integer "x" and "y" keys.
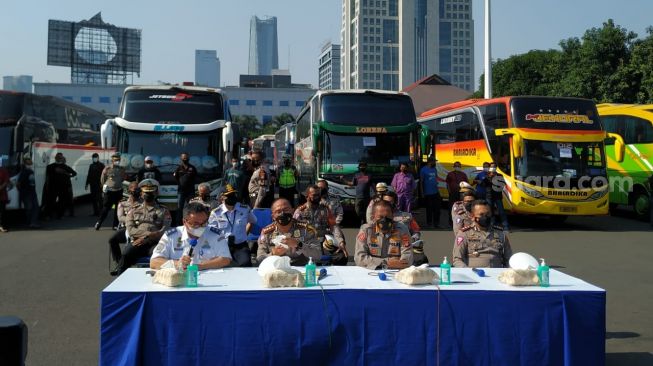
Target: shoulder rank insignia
{"x": 215, "y": 230}
{"x": 172, "y": 231}
{"x": 498, "y": 227}
{"x": 268, "y": 229}
{"x": 465, "y": 228}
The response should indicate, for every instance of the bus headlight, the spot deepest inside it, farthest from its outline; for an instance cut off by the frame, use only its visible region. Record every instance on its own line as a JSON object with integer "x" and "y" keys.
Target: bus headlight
{"x": 529, "y": 191}
{"x": 598, "y": 194}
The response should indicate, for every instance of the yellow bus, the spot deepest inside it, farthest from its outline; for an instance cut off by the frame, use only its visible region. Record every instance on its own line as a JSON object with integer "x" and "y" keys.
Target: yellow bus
{"x": 550, "y": 151}
{"x": 634, "y": 123}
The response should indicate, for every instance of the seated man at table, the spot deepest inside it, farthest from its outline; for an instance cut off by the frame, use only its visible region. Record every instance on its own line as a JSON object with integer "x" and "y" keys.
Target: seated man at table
{"x": 481, "y": 244}
{"x": 211, "y": 250}
{"x": 289, "y": 237}
{"x": 383, "y": 242}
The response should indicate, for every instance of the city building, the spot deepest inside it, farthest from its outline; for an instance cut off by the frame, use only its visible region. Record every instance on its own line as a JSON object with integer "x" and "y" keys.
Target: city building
{"x": 105, "y": 98}
{"x": 263, "y": 46}
{"x": 390, "y": 44}
{"x": 266, "y": 96}
{"x": 207, "y": 68}
{"x": 329, "y": 67}
{"x": 20, "y": 83}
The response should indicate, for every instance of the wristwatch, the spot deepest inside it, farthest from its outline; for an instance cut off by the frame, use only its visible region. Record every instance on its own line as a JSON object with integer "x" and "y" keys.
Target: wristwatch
{"x": 300, "y": 245}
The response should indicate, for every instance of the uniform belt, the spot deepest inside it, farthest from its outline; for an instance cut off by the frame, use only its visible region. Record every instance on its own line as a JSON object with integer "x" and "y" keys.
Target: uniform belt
{"x": 239, "y": 245}
{"x": 286, "y": 187}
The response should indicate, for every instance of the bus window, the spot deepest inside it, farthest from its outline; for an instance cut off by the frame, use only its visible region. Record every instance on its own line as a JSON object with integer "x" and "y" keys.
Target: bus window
{"x": 638, "y": 130}
{"x": 304, "y": 125}
{"x": 495, "y": 117}
{"x": 612, "y": 124}
{"x": 467, "y": 127}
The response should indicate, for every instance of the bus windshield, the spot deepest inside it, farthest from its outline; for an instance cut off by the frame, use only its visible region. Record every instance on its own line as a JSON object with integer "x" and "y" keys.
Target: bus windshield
{"x": 368, "y": 109}
{"x": 382, "y": 152}
{"x": 545, "y": 161}
{"x": 165, "y": 149}
{"x": 177, "y": 106}
{"x": 11, "y": 107}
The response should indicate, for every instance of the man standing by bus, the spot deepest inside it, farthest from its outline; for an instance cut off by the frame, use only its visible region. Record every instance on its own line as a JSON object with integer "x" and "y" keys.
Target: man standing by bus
{"x": 234, "y": 177}
{"x": 288, "y": 180}
{"x": 149, "y": 171}
{"x": 185, "y": 175}
{"x": 93, "y": 182}
{"x": 4, "y": 199}
{"x": 58, "y": 186}
{"x": 27, "y": 187}
{"x": 453, "y": 180}
{"x": 111, "y": 179}
{"x": 403, "y": 184}
{"x": 428, "y": 178}
{"x": 362, "y": 181}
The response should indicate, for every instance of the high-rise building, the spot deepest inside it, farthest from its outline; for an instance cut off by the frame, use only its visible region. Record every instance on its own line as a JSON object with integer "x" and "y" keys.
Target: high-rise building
{"x": 263, "y": 46}
{"x": 207, "y": 68}
{"x": 329, "y": 67}
{"x": 390, "y": 44}
{"x": 20, "y": 83}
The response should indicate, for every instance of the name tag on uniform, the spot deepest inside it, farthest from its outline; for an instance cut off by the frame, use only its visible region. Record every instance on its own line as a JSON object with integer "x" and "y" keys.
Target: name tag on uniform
{"x": 374, "y": 251}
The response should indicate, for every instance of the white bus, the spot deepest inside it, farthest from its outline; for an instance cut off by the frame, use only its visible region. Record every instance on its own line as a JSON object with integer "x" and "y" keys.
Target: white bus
{"x": 39, "y": 127}
{"x": 165, "y": 121}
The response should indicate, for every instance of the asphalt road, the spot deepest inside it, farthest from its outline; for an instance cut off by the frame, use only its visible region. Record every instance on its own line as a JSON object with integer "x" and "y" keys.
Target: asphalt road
{"x": 52, "y": 279}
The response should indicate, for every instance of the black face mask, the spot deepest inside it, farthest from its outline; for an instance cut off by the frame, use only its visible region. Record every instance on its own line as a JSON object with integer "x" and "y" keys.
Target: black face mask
{"x": 484, "y": 220}
{"x": 362, "y": 169}
{"x": 286, "y": 163}
{"x": 231, "y": 200}
{"x": 468, "y": 207}
{"x": 385, "y": 224}
{"x": 256, "y": 163}
{"x": 284, "y": 219}
{"x": 135, "y": 194}
{"x": 205, "y": 197}
{"x": 149, "y": 197}
{"x": 324, "y": 192}
{"x": 185, "y": 161}
{"x": 316, "y": 200}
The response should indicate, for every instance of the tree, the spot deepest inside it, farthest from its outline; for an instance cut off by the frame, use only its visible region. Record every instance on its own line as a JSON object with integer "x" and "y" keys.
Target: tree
{"x": 248, "y": 125}
{"x": 641, "y": 66}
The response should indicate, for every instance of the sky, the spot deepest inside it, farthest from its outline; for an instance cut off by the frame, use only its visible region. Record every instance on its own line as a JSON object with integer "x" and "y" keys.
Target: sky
{"x": 172, "y": 30}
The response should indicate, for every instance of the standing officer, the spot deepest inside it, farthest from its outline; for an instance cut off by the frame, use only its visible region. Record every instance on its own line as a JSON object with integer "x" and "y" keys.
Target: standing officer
{"x": 185, "y": 175}
{"x": 403, "y": 217}
{"x": 93, "y": 182}
{"x": 461, "y": 211}
{"x": 260, "y": 185}
{"x": 288, "y": 237}
{"x": 235, "y": 220}
{"x": 149, "y": 170}
{"x": 332, "y": 202}
{"x": 111, "y": 179}
{"x": 384, "y": 242}
{"x": 381, "y": 190}
{"x": 288, "y": 180}
{"x": 59, "y": 187}
{"x": 145, "y": 225}
{"x": 210, "y": 252}
{"x": 124, "y": 206}
{"x": 481, "y": 245}
{"x": 320, "y": 217}
{"x": 204, "y": 197}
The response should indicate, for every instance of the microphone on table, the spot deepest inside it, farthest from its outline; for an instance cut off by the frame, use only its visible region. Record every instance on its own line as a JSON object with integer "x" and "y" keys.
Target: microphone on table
{"x": 382, "y": 276}
{"x": 479, "y": 272}
{"x": 323, "y": 274}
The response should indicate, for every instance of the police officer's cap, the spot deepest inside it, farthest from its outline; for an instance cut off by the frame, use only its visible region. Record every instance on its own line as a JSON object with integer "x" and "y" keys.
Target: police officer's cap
{"x": 148, "y": 185}
{"x": 229, "y": 189}
{"x": 465, "y": 187}
{"x": 381, "y": 187}
{"x": 115, "y": 156}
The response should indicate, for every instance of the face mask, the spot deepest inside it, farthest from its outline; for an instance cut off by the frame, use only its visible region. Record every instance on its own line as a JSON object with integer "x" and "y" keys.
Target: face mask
{"x": 149, "y": 197}
{"x": 149, "y": 165}
{"x": 116, "y": 163}
{"x": 234, "y": 164}
{"x": 95, "y": 160}
{"x": 484, "y": 220}
{"x": 29, "y": 166}
{"x": 456, "y": 169}
{"x": 284, "y": 219}
{"x": 286, "y": 163}
{"x": 362, "y": 169}
{"x": 324, "y": 192}
{"x": 468, "y": 207}
{"x": 196, "y": 231}
{"x": 231, "y": 200}
{"x": 486, "y": 169}
{"x": 135, "y": 194}
{"x": 185, "y": 161}
{"x": 385, "y": 224}
{"x": 256, "y": 164}
{"x": 205, "y": 197}
{"x": 59, "y": 161}
{"x": 316, "y": 200}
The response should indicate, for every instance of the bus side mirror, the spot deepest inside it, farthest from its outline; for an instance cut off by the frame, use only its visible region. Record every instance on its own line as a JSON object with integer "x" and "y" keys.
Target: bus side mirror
{"x": 619, "y": 146}
{"x": 517, "y": 141}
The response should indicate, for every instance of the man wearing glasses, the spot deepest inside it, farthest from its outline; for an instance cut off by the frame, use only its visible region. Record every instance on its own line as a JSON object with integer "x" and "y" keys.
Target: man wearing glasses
{"x": 210, "y": 252}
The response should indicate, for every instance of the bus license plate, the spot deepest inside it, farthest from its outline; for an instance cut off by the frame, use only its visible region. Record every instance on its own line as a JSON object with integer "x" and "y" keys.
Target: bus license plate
{"x": 568, "y": 209}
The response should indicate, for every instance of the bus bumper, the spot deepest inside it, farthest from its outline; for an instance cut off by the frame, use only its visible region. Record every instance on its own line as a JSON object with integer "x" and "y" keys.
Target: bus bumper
{"x": 524, "y": 204}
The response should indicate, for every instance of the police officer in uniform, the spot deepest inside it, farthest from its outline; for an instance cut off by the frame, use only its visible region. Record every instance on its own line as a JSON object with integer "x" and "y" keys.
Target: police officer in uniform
{"x": 299, "y": 241}
{"x": 210, "y": 252}
{"x": 403, "y": 217}
{"x": 322, "y": 219}
{"x": 383, "y": 242}
{"x": 120, "y": 236}
{"x": 461, "y": 211}
{"x": 260, "y": 187}
{"x": 332, "y": 202}
{"x": 235, "y": 220}
{"x": 481, "y": 245}
{"x": 381, "y": 189}
{"x": 145, "y": 225}
{"x": 111, "y": 179}
{"x": 287, "y": 180}
{"x": 204, "y": 197}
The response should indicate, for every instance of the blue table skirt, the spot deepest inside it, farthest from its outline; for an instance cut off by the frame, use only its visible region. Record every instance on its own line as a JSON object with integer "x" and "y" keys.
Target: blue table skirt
{"x": 364, "y": 327}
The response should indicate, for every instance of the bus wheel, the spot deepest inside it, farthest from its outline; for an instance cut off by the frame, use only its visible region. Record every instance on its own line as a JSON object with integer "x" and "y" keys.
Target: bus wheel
{"x": 558, "y": 219}
{"x": 640, "y": 205}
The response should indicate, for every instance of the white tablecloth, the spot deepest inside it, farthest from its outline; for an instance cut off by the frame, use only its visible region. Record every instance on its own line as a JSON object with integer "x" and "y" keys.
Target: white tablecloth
{"x": 345, "y": 277}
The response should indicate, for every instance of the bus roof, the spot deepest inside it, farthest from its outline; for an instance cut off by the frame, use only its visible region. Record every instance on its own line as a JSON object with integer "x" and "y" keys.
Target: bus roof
{"x": 175, "y": 87}
{"x": 264, "y": 137}
{"x": 617, "y": 108}
{"x": 479, "y": 102}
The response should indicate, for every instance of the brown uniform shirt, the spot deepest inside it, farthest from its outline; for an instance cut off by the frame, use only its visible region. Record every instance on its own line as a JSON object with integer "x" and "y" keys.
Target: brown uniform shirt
{"x": 322, "y": 219}
{"x": 302, "y": 231}
{"x": 460, "y": 217}
{"x": 144, "y": 219}
{"x": 124, "y": 207}
{"x": 374, "y": 247}
{"x": 477, "y": 248}
{"x": 112, "y": 177}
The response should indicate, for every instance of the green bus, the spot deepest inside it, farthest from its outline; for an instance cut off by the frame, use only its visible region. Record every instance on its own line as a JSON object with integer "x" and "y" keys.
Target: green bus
{"x": 337, "y": 129}
{"x": 634, "y": 123}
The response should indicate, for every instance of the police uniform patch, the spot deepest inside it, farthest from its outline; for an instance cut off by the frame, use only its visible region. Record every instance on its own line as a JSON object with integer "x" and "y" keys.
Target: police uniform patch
{"x": 405, "y": 240}
{"x": 394, "y": 250}
{"x": 459, "y": 240}
{"x": 171, "y": 231}
{"x": 215, "y": 230}
{"x": 296, "y": 234}
{"x": 374, "y": 251}
{"x": 458, "y": 220}
{"x": 362, "y": 236}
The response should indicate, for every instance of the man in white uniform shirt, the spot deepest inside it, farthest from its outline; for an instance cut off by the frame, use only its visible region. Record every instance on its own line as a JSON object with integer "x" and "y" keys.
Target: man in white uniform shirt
{"x": 210, "y": 252}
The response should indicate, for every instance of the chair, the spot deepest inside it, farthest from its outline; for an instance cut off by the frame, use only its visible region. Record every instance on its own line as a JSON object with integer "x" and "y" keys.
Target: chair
{"x": 263, "y": 219}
